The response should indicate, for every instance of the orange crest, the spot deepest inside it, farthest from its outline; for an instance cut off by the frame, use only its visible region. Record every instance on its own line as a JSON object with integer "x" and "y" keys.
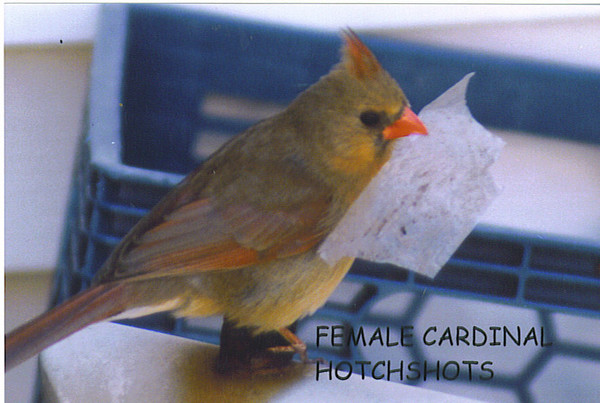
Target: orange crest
{"x": 358, "y": 58}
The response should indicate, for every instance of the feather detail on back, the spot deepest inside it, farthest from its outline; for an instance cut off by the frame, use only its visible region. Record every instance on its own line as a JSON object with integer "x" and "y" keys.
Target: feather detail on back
{"x": 200, "y": 236}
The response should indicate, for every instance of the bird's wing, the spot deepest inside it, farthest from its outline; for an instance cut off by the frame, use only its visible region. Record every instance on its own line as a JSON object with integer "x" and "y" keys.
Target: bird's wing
{"x": 201, "y": 236}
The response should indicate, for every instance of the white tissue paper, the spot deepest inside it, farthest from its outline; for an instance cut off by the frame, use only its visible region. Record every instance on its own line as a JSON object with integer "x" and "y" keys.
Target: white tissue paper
{"x": 428, "y": 197}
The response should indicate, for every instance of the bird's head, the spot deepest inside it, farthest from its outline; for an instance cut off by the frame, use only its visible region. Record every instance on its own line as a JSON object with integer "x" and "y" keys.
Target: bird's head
{"x": 353, "y": 113}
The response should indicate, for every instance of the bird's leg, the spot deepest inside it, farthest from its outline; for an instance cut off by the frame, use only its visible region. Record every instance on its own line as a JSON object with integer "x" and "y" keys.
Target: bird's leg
{"x": 296, "y": 345}
{"x": 243, "y": 351}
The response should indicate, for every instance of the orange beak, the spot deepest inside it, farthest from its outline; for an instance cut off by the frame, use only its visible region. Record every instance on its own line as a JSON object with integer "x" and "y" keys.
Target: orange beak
{"x": 409, "y": 123}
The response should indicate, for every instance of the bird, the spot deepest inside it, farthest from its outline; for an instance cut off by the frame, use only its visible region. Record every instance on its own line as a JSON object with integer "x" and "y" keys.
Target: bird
{"x": 238, "y": 236}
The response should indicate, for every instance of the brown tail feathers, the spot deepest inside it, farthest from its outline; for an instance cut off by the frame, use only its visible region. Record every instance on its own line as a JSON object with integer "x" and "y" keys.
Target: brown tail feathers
{"x": 90, "y": 306}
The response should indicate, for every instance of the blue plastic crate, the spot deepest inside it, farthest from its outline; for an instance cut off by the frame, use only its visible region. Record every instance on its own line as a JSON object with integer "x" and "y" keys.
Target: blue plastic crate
{"x": 156, "y": 74}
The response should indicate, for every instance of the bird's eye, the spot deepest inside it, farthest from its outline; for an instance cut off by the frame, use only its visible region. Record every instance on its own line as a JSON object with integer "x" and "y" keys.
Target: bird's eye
{"x": 370, "y": 118}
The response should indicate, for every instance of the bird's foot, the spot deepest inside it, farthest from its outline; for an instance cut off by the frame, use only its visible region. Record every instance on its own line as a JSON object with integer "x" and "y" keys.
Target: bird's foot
{"x": 242, "y": 351}
{"x": 296, "y": 346}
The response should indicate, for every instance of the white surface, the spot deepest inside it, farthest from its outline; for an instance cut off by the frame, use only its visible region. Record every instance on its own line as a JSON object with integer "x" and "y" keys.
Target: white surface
{"x": 361, "y": 16}
{"x": 549, "y": 186}
{"x": 48, "y": 23}
{"x": 43, "y": 111}
{"x": 108, "y": 362}
{"x": 565, "y": 41}
{"x": 26, "y": 24}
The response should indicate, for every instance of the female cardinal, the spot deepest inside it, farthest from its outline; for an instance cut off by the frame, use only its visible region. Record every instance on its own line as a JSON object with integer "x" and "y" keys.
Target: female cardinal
{"x": 239, "y": 235}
